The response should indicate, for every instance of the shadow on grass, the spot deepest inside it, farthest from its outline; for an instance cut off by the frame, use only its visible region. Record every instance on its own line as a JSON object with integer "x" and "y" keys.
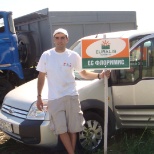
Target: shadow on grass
{"x": 13, "y": 147}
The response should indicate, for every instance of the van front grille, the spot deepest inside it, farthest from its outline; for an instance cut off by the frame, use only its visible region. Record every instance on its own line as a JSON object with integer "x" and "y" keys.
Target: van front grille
{"x": 14, "y": 111}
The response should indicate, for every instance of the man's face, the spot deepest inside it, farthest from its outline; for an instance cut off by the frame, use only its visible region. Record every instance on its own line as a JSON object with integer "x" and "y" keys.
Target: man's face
{"x": 60, "y": 41}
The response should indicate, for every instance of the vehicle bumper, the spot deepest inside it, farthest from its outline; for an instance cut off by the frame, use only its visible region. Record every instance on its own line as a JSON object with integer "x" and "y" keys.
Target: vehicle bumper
{"x": 33, "y": 132}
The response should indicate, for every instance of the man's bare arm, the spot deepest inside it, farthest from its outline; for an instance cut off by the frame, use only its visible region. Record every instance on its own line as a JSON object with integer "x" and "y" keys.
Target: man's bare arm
{"x": 91, "y": 75}
{"x": 40, "y": 84}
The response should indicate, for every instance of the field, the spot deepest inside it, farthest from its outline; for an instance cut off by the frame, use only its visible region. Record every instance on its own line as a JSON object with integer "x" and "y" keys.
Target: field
{"x": 126, "y": 141}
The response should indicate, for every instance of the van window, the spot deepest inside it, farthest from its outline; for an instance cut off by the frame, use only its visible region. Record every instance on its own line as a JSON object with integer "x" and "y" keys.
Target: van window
{"x": 132, "y": 74}
{"x": 148, "y": 59}
{"x": 141, "y": 63}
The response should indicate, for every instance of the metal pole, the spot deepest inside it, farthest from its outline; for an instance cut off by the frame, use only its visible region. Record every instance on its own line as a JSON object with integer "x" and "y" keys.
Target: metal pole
{"x": 105, "y": 114}
{"x": 105, "y": 110}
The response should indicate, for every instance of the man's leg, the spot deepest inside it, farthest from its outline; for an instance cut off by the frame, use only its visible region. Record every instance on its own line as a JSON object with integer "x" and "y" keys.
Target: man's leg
{"x": 65, "y": 138}
{"x": 73, "y": 138}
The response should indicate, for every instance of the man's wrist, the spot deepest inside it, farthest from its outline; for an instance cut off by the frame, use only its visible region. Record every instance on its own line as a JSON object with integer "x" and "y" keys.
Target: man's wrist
{"x": 39, "y": 95}
{"x": 98, "y": 76}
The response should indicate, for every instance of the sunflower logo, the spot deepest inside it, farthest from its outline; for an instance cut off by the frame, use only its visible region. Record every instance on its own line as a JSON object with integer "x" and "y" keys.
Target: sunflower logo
{"x": 105, "y": 44}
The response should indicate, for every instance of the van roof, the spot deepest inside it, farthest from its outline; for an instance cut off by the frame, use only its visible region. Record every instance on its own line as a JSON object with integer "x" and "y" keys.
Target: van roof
{"x": 119, "y": 34}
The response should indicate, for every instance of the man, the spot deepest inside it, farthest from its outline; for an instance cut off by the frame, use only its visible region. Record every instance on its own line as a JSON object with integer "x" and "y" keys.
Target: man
{"x": 58, "y": 65}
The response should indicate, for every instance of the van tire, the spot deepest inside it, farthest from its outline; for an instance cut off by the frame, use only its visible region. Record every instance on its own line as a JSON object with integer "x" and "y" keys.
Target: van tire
{"x": 91, "y": 135}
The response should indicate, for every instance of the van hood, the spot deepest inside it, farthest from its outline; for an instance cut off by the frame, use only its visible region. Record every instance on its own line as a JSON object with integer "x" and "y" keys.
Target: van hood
{"x": 25, "y": 95}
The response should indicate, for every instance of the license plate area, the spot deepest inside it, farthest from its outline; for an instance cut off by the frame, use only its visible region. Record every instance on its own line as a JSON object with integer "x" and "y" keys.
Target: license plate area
{"x": 4, "y": 125}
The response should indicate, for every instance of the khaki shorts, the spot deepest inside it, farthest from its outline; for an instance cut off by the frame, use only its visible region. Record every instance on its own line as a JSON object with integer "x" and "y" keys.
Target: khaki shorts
{"x": 66, "y": 115}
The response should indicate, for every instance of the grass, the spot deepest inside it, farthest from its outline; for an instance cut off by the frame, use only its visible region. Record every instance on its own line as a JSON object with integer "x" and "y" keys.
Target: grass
{"x": 125, "y": 141}
{"x": 133, "y": 141}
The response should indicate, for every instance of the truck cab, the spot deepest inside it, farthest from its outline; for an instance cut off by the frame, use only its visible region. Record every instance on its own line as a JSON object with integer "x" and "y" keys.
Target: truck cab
{"x": 10, "y": 65}
{"x": 17, "y": 55}
{"x": 9, "y": 56}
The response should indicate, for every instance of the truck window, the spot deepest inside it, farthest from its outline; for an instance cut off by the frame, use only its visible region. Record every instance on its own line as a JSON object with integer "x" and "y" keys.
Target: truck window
{"x": 11, "y": 23}
{"x": 1, "y": 24}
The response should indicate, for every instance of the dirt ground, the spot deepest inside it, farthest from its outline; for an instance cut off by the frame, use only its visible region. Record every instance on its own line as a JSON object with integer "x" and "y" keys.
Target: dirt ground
{"x": 3, "y": 138}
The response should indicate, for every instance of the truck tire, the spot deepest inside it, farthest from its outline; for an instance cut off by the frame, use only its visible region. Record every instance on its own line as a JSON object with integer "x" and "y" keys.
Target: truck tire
{"x": 27, "y": 49}
{"x": 5, "y": 87}
{"x": 92, "y": 137}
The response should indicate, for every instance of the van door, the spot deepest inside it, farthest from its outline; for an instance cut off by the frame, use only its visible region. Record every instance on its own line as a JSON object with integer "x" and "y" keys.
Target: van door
{"x": 133, "y": 94}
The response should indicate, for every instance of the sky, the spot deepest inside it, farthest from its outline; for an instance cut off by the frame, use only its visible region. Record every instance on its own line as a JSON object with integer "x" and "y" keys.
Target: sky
{"x": 144, "y": 9}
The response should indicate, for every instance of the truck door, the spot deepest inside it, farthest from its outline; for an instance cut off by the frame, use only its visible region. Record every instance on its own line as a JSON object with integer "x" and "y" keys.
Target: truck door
{"x": 133, "y": 94}
{"x": 5, "y": 43}
{"x": 9, "y": 56}
{"x": 6, "y": 58}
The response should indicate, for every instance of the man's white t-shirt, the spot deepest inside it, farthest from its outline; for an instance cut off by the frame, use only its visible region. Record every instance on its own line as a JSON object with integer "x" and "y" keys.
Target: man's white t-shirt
{"x": 59, "y": 68}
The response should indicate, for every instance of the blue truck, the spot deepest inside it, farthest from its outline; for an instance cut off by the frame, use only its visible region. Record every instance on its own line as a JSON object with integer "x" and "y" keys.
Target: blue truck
{"x": 22, "y": 40}
{"x": 16, "y": 55}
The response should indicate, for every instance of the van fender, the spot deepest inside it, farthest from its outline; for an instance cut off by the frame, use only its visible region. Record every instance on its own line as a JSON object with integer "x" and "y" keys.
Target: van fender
{"x": 97, "y": 106}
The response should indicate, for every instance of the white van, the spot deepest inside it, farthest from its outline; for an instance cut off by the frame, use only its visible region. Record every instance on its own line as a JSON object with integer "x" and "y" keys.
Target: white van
{"x": 131, "y": 100}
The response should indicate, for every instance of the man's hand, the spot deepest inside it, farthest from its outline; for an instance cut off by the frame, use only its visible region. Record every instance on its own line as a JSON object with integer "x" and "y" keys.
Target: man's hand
{"x": 39, "y": 103}
{"x": 106, "y": 73}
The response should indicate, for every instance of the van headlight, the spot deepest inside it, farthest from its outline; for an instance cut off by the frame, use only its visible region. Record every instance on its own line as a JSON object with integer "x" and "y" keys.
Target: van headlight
{"x": 35, "y": 114}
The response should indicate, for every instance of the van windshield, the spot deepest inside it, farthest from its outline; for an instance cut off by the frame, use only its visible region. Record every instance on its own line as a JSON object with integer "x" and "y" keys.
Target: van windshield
{"x": 77, "y": 47}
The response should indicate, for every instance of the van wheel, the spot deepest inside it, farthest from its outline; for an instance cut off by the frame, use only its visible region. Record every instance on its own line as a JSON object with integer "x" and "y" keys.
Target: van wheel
{"x": 27, "y": 49}
{"x": 92, "y": 137}
{"x": 5, "y": 87}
